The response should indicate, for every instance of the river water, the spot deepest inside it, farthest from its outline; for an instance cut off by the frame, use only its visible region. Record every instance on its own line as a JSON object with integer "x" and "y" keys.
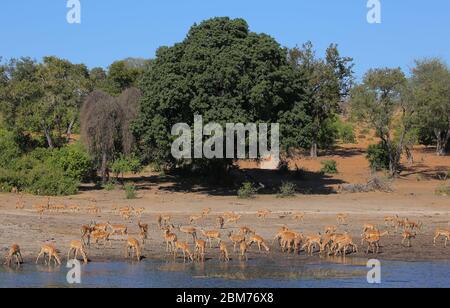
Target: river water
{"x": 254, "y": 274}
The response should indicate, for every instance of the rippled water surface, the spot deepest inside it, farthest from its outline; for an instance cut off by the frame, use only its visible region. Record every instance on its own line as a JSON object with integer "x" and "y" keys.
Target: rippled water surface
{"x": 254, "y": 274}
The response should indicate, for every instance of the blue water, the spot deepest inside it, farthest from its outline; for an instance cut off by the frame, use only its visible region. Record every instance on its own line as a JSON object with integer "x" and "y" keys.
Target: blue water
{"x": 267, "y": 274}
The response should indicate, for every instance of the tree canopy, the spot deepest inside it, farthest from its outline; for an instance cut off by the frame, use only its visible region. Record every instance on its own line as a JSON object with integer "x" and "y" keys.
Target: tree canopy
{"x": 222, "y": 71}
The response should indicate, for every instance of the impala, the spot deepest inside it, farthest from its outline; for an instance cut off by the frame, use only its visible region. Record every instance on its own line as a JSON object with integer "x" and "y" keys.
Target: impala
{"x": 259, "y": 241}
{"x": 77, "y": 247}
{"x": 14, "y": 252}
{"x": 445, "y": 233}
{"x": 200, "y": 248}
{"x": 133, "y": 249}
{"x": 224, "y": 252}
{"x": 212, "y": 235}
{"x": 184, "y": 247}
{"x": 51, "y": 252}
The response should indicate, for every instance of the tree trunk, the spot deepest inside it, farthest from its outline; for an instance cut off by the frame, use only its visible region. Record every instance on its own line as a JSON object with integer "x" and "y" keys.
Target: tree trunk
{"x": 104, "y": 168}
{"x": 442, "y": 139}
{"x": 49, "y": 138}
{"x": 69, "y": 130}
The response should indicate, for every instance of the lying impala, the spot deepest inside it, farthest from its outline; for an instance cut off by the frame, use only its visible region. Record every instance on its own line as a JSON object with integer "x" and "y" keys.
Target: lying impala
{"x": 13, "y": 252}
{"x": 51, "y": 252}
{"x": 77, "y": 247}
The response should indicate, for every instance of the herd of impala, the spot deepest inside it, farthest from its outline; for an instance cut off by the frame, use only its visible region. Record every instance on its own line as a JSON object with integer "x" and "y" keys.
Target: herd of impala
{"x": 327, "y": 242}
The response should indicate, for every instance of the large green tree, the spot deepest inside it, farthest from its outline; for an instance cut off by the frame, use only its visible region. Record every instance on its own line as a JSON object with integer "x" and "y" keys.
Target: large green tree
{"x": 227, "y": 74}
{"x": 19, "y": 87}
{"x": 327, "y": 83}
{"x": 430, "y": 91}
{"x": 379, "y": 102}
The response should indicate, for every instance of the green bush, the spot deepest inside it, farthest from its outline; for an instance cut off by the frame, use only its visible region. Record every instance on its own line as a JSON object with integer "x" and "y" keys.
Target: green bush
{"x": 247, "y": 191}
{"x": 287, "y": 190}
{"x": 44, "y": 171}
{"x": 130, "y": 191}
{"x": 443, "y": 191}
{"x": 48, "y": 180}
{"x": 329, "y": 167}
{"x": 125, "y": 164}
{"x": 109, "y": 187}
{"x": 346, "y": 132}
{"x": 74, "y": 161}
{"x": 378, "y": 157}
{"x": 9, "y": 149}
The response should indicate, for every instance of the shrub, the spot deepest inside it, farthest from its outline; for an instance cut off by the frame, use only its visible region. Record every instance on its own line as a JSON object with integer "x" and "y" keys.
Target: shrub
{"x": 247, "y": 191}
{"x": 329, "y": 167}
{"x": 125, "y": 164}
{"x": 46, "y": 180}
{"x": 287, "y": 190}
{"x": 345, "y": 131}
{"x": 9, "y": 149}
{"x": 74, "y": 161}
{"x": 443, "y": 191}
{"x": 109, "y": 186}
{"x": 378, "y": 157}
{"x": 130, "y": 191}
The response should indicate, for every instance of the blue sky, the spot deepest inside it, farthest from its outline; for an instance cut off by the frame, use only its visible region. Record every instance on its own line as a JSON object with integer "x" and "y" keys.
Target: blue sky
{"x": 116, "y": 29}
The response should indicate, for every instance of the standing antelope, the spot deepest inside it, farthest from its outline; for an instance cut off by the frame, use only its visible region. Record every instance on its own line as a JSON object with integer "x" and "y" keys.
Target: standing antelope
{"x": 442, "y": 233}
{"x": 51, "y": 252}
{"x": 342, "y": 219}
{"x": 236, "y": 239}
{"x": 224, "y": 252}
{"x": 200, "y": 248}
{"x": 220, "y": 222}
{"x": 234, "y": 219}
{"x": 408, "y": 236}
{"x": 13, "y": 252}
{"x": 184, "y": 247}
{"x": 263, "y": 214}
{"x": 86, "y": 232}
{"x": 259, "y": 241}
{"x": 243, "y": 251}
{"x": 212, "y": 235}
{"x": 133, "y": 248}
{"x": 299, "y": 217}
{"x": 75, "y": 248}
{"x": 195, "y": 218}
{"x": 189, "y": 231}
{"x": 170, "y": 239}
{"x": 118, "y": 229}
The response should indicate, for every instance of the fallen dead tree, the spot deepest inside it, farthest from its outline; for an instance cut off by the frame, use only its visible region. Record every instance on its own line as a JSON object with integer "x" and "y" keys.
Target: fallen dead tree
{"x": 375, "y": 183}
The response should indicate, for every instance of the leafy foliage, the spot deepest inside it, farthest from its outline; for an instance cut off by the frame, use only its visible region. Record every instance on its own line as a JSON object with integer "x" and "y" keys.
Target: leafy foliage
{"x": 378, "y": 156}
{"x": 329, "y": 167}
{"x": 227, "y": 74}
{"x": 247, "y": 191}
{"x": 287, "y": 190}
